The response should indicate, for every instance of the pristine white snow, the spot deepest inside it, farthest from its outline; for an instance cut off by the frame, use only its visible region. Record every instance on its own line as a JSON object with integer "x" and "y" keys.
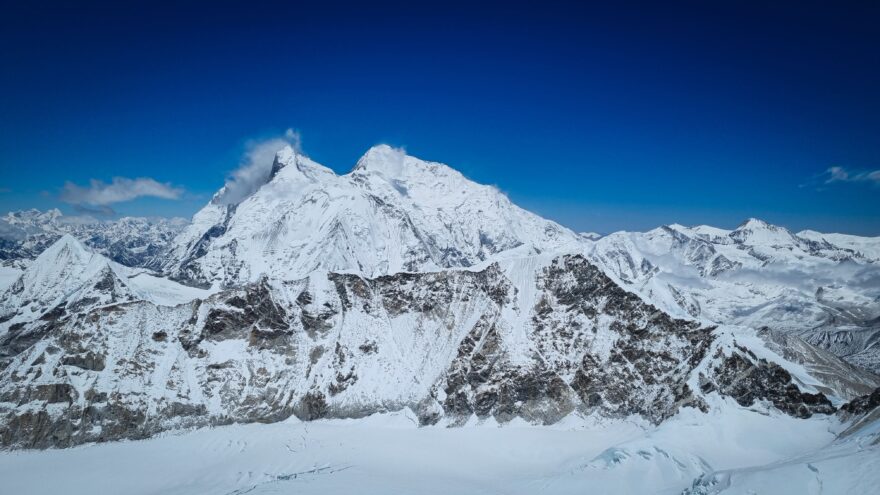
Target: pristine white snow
{"x": 391, "y": 213}
{"x": 387, "y": 453}
{"x": 850, "y": 464}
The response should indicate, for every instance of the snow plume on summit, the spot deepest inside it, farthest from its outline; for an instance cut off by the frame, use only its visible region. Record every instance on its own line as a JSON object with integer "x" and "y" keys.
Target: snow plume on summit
{"x": 256, "y": 167}
{"x": 393, "y": 212}
{"x": 384, "y": 159}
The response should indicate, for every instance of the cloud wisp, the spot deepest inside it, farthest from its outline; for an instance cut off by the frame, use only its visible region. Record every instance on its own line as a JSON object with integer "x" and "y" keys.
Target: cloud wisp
{"x": 99, "y": 195}
{"x": 841, "y": 174}
{"x": 255, "y": 167}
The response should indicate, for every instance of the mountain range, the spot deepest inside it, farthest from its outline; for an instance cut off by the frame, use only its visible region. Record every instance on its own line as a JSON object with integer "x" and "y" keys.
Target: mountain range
{"x": 402, "y": 285}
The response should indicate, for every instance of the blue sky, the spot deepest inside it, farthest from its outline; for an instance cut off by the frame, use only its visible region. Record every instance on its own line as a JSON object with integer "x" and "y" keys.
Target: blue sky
{"x": 602, "y": 118}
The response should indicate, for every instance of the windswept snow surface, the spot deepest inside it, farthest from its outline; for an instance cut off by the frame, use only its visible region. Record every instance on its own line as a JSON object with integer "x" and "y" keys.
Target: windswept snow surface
{"x": 388, "y": 453}
{"x": 848, "y": 465}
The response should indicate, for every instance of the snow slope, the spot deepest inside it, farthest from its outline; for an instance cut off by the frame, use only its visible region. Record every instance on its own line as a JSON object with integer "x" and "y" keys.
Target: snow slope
{"x": 391, "y": 213}
{"x": 8, "y": 276}
{"x": 848, "y": 464}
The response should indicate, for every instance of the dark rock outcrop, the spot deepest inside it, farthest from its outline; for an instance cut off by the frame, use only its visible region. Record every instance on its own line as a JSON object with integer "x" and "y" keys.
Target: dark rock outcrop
{"x": 748, "y": 379}
{"x": 862, "y": 405}
{"x": 452, "y": 345}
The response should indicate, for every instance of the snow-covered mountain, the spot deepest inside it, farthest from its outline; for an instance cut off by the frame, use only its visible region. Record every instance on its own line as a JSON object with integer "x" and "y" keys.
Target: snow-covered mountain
{"x": 88, "y": 356}
{"x": 131, "y": 241}
{"x": 823, "y": 287}
{"x": 404, "y": 290}
{"x": 391, "y": 213}
{"x": 68, "y": 279}
{"x": 394, "y": 212}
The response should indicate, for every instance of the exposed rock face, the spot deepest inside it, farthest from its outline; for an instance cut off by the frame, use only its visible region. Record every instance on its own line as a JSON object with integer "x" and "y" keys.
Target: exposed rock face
{"x": 593, "y": 347}
{"x": 862, "y": 405}
{"x": 748, "y": 379}
{"x": 646, "y": 369}
{"x": 249, "y": 354}
{"x": 451, "y": 345}
{"x": 483, "y": 382}
{"x": 249, "y": 313}
{"x": 847, "y": 380}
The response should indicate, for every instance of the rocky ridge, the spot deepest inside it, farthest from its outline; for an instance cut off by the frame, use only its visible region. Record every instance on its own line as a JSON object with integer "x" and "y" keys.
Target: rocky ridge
{"x": 451, "y": 345}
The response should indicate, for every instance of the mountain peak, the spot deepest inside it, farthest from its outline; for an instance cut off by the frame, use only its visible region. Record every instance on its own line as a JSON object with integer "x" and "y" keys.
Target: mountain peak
{"x": 69, "y": 243}
{"x": 393, "y": 212}
{"x": 283, "y": 157}
{"x": 395, "y": 165}
{"x": 57, "y": 271}
{"x": 755, "y": 223}
{"x": 756, "y": 231}
{"x": 296, "y": 162}
{"x": 52, "y": 214}
{"x": 383, "y": 158}
{"x": 66, "y": 251}
{"x": 32, "y": 215}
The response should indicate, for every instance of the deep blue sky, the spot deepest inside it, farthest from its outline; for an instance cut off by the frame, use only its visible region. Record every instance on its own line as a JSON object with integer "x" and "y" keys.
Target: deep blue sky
{"x": 601, "y": 118}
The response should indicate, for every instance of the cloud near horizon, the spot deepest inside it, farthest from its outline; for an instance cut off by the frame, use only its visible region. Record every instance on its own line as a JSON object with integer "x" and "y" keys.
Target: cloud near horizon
{"x": 99, "y": 195}
{"x": 841, "y": 174}
{"x": 255, "y": 167}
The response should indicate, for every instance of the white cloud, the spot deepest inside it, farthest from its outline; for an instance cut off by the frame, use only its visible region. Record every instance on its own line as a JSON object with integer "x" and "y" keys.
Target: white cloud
{"x": 840, "y": 174}
{"x": 255, "y": 167}
{"x": 101, "y": 194}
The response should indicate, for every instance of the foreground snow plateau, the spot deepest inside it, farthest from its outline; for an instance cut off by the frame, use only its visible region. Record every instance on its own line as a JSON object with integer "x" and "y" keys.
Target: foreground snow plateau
{"x": 389, "y": 454}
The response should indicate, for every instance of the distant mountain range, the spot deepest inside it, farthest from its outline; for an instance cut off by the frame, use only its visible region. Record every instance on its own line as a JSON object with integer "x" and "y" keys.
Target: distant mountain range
{"x": 130, "y": 241}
